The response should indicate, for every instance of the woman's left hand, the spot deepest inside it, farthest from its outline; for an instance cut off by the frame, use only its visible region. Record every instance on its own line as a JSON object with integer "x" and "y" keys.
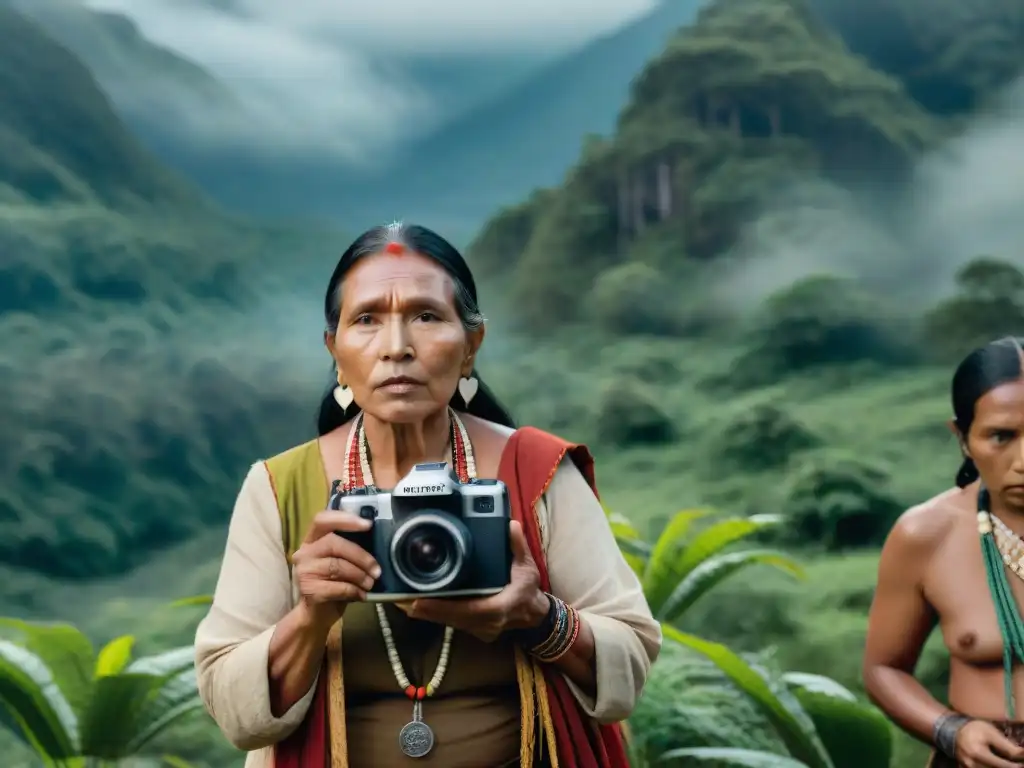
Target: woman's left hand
{"x": 520, "y": 605}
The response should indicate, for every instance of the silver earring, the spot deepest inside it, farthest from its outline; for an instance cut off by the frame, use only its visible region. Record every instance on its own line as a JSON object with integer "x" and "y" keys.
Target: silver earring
{"x": 468, "y": 386}
{"x": 343, "y": 396}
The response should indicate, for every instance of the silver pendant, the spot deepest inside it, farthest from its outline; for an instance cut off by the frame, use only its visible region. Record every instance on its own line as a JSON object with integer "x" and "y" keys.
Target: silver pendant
{"x": 416, "y": 738}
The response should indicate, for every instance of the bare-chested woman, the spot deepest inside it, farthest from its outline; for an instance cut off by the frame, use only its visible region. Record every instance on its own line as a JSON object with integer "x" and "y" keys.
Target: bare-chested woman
{"x": 957, "y": 561}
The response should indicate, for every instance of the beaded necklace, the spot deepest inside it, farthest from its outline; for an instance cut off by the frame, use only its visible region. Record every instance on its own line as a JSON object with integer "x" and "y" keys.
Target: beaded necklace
{"x": 416, "y": 739}
{"x": 1011, "y": 625}
{"x": 1011, "y": 546}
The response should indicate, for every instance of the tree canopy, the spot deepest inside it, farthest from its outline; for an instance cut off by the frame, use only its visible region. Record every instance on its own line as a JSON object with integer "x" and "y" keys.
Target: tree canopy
{"x": 754, "y": 97}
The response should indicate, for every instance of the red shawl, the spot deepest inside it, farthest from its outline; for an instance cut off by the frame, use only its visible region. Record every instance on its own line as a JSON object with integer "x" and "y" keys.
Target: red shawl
{"x": 528, "y": 465}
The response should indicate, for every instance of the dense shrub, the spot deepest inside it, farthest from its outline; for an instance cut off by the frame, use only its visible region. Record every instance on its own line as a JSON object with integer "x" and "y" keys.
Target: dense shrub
{"x": 629, "y": 414}
{"x": 839, "y": 502}
{"x": 761, "y": 438}
{"x": 820, "y": 320}
{"x": 989, "y": 303}
{"x": 653, "y": 361}
{"x": 632, "y": 298}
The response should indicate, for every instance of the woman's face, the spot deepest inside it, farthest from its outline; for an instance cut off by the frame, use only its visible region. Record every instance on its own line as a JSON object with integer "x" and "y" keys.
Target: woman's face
{"x": 398, "y": 321}
{"x": 996, "y": 442}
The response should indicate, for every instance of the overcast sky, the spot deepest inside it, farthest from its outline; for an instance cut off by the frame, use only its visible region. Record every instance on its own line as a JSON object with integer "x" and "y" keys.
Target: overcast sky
{"x": 309, "y": 69}
{"x": 409, "y": 25}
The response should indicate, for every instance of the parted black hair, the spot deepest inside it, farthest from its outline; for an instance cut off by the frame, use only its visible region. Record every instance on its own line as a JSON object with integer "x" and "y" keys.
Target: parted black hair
{"x": 430, "y": 244}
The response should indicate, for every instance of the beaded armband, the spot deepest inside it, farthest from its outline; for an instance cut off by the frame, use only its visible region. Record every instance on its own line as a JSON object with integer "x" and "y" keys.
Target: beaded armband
{"x": 562, "y": 628}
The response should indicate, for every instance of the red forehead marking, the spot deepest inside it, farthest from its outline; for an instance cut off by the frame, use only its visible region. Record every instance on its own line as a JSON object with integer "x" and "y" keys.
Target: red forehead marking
{"x": 394, "y": 248}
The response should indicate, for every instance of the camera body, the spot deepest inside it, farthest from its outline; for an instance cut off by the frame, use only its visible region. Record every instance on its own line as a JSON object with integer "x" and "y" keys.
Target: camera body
{"x": 433, "y": 536}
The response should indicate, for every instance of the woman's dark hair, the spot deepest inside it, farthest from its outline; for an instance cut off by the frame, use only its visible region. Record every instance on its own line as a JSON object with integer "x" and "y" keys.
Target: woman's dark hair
{"x": 430, "y": 244}
{"x": 996, "y": 363}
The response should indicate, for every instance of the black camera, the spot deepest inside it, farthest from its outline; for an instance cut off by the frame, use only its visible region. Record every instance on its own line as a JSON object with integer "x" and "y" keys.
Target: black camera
{"x": 433, "y": 536}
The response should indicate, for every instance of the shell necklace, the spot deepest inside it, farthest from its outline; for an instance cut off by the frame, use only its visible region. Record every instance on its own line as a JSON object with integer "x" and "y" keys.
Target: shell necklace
{"x": 416, "y": 739}
{"x": 1011, "y": 546}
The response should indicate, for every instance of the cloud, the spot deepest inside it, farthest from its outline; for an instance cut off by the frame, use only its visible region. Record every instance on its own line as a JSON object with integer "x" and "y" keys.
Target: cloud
{"x": 317, "y": 75}
{"x": 966, "y": 200}
{"x": 970, "y": 197}
{"x": 441, "y": 26}
{"x": 296, "y": 94}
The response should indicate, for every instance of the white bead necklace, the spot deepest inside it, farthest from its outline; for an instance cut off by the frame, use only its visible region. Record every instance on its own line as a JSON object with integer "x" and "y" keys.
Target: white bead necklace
{"x": 1010, "y": 546}
{"x": 416, "y": 738}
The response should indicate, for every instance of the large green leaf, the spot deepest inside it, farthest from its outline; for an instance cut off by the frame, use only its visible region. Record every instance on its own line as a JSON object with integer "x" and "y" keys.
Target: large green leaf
{"x": 174, "y": 698}
{"x": 717, "y": 537}
{"x": 621, "y": 525}
{"x": 114, "y": 656}
{"x": 658, "y": 578}
{"x": 791, "y": 723}
{"x": 65, "y": 651}
{"x": 716, "y": 569}
{"x": 193, "y": 600}
{"x": 819, "y": 686}
{"x": 741, "y": 758}
{"x": 165, "y": 664}
{"x": 28, "y": 692}
{"x": 112, "y": 721}
{"x": 634, "y": 549}
{"x": 132, "y": 708}
{"x": 854, "y": 733}
{"x": 689, "y": 702}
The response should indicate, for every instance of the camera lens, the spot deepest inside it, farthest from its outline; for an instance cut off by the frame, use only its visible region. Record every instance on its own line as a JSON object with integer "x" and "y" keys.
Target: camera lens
{"x": 429, "y": 551}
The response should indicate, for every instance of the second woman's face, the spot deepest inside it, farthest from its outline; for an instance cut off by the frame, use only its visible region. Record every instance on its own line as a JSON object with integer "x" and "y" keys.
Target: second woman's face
{"x": 400, "y": 344}
{"x": 996, "y": 442}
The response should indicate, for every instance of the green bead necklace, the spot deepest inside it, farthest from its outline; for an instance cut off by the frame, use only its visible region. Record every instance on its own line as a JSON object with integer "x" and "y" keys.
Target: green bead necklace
{"x": 1011, "y": 625}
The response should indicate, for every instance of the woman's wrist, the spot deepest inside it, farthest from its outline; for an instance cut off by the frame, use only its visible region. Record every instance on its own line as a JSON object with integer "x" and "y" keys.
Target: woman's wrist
{"x": 316, "y": 620}
{"x": 553, "y": 636}
{"x": 945, "y": 731}
{"x": 539, "y": 622}
{"x": 541, "y": 610}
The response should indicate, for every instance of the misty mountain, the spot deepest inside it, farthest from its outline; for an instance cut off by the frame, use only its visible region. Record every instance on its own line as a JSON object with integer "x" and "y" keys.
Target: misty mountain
{"x": 60, "y": 140}
{"x": 139, "y": 76}
{"x": 511, "y": 123}
{"x": 526, "y": 138}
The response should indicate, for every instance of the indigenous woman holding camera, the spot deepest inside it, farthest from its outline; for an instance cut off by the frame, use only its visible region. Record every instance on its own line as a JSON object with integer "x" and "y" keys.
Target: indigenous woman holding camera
{"x": 957, "y": 561}
{"x": 299, "y": 670}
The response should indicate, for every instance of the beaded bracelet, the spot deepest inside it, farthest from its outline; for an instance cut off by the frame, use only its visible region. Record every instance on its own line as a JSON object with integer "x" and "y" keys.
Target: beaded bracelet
{"x": 562, "y": 637}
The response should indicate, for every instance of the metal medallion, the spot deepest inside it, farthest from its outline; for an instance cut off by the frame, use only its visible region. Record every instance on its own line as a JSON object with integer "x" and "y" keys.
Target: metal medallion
{"x": 416, "y": 739}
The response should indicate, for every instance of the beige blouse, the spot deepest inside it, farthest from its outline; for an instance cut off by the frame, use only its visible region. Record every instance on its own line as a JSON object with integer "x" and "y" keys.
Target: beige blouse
{"x": 255, "y": 591}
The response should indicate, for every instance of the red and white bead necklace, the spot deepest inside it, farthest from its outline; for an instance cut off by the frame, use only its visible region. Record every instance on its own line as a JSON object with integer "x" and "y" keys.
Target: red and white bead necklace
{"x": 416, "y": 738}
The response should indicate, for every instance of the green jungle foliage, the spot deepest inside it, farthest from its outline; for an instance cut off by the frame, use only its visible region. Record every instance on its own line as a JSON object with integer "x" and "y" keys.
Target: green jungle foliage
{"x": 951, "y": 56}
{"x": 74, "y": 708}
{"x": 147, "y": 356}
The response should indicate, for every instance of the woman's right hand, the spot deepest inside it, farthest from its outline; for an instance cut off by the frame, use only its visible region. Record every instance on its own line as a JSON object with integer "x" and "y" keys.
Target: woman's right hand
{"x": 981, "y": 745}
{"x": 330, "y": 570}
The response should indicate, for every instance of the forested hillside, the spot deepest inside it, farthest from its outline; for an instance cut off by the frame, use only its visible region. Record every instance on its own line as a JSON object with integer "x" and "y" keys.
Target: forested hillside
{"x": 111, "y": 265}
{"x": 61, "y": 140}
{"x": 134, "y": 72}
{"x": 951, "y": 57}
{"x": 758, "y": 108}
